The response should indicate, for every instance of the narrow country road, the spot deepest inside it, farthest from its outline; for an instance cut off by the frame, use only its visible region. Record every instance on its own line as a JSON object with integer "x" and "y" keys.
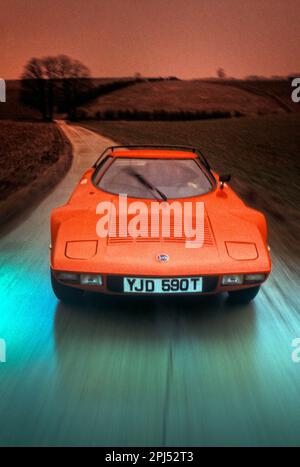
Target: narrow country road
{"x": 139, "y": 372}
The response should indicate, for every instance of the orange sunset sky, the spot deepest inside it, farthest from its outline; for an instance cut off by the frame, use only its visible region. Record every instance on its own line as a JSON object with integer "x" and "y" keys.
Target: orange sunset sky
{"x": 187, "y": 38}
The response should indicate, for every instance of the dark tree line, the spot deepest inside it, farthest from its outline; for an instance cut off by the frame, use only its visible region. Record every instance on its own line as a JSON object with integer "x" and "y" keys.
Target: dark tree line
{"x": 57, "y": 83}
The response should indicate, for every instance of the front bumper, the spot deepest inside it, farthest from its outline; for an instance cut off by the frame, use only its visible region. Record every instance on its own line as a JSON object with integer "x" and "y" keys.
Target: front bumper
{"x": 112, "y": 284}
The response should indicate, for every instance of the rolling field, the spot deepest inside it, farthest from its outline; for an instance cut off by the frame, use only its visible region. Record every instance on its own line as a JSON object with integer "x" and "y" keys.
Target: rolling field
{"x": 27, "y": 150}
{"x": 193, "y": 96}
{"x": 239, "y": 97}
{"x": 277, "y": 90}
{"x": 13, "y": 109}
{"x": 261, "y": 153}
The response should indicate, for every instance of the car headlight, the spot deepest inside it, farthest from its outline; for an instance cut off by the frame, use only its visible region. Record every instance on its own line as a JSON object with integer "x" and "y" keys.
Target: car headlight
{"x": 233, "y": 279}
{"x": 254, "y": 277}
{"x": 90, "y": 279}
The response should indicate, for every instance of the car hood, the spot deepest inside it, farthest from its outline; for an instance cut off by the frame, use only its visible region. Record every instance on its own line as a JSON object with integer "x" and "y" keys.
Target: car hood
{"x": 231, "y": 243}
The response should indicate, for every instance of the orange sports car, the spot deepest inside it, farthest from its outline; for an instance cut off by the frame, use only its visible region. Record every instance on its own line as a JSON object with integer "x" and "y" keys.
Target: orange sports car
{"x": 151, "y": 220}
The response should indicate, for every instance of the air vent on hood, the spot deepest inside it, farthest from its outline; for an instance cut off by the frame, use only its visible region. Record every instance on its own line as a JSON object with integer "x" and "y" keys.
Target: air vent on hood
{"x": 114, "y": 236}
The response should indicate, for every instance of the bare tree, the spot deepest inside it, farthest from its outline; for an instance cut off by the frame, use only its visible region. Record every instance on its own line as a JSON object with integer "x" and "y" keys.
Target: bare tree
{"x": 75, "y": 84}
{"x": 221, "y": 73}
{"x": 55, "y": 82}
{"x": 34, "y": 87}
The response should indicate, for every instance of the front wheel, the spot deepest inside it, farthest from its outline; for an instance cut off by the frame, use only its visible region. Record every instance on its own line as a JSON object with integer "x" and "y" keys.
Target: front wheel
{"x": 243, "y": 296}
{"x": 64, "y": 293}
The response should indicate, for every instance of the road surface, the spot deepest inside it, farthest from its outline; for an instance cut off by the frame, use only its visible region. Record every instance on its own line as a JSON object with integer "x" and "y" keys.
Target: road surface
{"x": 139, "y": 372}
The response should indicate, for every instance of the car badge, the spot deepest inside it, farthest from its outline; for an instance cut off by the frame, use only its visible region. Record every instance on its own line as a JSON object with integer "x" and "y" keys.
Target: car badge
{"x": 163, "y": 258}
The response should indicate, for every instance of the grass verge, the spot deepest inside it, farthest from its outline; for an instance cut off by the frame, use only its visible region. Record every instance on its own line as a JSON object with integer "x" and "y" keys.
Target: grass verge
{"x": 33, "y": 158}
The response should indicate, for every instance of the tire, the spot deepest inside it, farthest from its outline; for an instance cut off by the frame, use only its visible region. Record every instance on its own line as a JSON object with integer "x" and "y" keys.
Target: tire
{"x": 243, "y": 296}
{"x": 64, "y": 293}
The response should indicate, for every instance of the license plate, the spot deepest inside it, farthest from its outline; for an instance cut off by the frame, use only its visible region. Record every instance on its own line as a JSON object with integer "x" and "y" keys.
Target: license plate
{"x": 162, "y": 285}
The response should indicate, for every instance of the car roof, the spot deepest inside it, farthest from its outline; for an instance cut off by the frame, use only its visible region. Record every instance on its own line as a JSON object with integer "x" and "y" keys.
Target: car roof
{"x": 153, "y": 153}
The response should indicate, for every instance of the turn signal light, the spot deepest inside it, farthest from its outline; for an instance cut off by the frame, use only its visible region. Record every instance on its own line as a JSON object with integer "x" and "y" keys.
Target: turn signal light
{"x": 68, "y": 276}
{"x": 254, "y": 277}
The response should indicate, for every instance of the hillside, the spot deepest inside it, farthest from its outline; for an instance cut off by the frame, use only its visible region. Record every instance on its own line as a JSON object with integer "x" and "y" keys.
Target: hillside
{"x": 277, "y": 90}
{"x": 13, "y": 109}
{"x": 235, "y": 97}
{"x": 240, "y": 97}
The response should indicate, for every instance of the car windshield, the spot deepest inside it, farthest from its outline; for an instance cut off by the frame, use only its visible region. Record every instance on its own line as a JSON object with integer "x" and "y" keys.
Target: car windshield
{"x": 152, "y": 178}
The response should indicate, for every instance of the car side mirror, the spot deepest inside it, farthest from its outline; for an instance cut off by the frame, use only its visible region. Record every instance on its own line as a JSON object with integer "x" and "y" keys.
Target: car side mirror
{"x": 224, "y": 179}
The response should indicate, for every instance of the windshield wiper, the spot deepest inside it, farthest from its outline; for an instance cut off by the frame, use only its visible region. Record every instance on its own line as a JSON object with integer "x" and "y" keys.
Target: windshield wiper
{"x": 146, "y": 183}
